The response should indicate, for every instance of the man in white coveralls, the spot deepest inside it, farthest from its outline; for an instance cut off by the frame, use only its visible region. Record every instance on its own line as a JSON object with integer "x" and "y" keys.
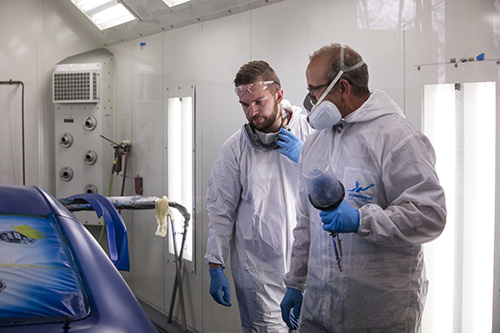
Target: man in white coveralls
{"x": 251, "y": 200}
{"x": 393, "y": 204}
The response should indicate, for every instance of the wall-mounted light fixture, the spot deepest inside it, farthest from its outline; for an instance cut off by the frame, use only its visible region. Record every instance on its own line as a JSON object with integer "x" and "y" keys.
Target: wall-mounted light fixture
{"x": 180, "y": 162}
{"x": 460, "y": 120}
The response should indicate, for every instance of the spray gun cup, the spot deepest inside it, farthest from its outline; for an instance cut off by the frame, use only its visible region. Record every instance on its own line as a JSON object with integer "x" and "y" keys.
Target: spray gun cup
{"x": 325, "y": 190}
{"x": 331, "y": 206}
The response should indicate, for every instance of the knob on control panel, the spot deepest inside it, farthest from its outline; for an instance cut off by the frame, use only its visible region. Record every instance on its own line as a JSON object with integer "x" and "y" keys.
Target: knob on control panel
{"x": 90, "y": 188}
{"x": 66, "y": 140}
{"x": 90, "y": 123}
{"x": 90, "y": 157}
{"x": 66, "y": 174}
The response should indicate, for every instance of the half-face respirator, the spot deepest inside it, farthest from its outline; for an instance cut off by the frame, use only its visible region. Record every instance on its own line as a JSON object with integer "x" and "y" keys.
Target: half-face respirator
{"x": 267, "y": 140}
{"x": 324, "y": 113}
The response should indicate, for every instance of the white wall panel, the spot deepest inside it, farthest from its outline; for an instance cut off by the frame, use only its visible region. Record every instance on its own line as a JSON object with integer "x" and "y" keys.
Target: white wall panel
{"x": 381, "y": 47}
{"x": 35, "y": 36}
{"x": 287, "y": 33}
{"x": 18, "y": 53}
{"x": 146, "y": 115}
{"x": 139, "y": 105}
{"x": 281, "y": 35}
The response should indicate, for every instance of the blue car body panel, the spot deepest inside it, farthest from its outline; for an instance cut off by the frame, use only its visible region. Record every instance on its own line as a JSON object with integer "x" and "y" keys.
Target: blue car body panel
{"x": 54, "y": 276}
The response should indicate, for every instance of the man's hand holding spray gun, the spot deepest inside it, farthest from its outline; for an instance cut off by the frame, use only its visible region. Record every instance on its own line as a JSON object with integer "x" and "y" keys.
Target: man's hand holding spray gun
{"x": 326, "y": 193}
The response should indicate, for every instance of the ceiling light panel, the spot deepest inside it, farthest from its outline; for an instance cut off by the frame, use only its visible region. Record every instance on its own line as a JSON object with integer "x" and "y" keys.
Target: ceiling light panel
{"x": 172, "y": 3}
{"x": 104, "y": 14}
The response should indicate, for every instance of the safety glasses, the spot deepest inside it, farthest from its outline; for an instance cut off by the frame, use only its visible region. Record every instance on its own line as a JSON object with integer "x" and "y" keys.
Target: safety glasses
{"x": 252, "y": 87}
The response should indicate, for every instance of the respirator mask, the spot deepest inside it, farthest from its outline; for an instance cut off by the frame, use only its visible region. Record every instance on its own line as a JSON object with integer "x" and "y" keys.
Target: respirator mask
{"x": 324, "y": 114}
{"x": 267, "y": 140}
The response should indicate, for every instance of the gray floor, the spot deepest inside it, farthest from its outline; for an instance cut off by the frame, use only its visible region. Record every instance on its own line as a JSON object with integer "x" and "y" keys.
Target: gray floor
{"x": 161, "y": 321}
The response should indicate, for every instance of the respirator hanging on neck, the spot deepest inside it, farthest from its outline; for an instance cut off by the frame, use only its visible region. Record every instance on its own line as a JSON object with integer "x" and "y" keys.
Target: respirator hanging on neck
{"x": 267, "y": 140}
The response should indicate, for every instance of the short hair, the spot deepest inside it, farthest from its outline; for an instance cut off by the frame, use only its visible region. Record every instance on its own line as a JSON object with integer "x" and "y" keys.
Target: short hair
{"x": 257, "y": 70}
{"x": 357, "y": 78}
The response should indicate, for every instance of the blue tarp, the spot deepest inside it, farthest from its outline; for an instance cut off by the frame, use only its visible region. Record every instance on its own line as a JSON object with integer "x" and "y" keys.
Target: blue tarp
{"x": 39, "y": 280}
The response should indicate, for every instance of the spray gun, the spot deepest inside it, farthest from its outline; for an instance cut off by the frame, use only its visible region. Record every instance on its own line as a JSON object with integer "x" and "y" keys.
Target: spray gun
{"x": 120, "y": 149}
{"x": 326, "y": 192}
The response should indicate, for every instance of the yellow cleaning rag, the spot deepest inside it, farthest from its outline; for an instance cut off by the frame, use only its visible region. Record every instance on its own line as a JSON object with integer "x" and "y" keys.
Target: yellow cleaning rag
{"x": 161, "y": 209}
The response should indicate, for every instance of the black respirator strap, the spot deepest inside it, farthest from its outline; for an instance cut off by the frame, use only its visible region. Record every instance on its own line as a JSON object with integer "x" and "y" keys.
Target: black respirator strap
{"x": 252, "y": 137}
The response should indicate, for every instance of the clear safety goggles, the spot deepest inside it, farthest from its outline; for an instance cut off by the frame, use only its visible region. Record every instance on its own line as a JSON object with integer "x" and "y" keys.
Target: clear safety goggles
{"x": 310, "y": 100}
{"x": 252, "y": 87}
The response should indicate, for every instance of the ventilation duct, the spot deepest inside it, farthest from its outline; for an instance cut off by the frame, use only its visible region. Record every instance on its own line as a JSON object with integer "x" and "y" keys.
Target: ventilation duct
{"x": 75, "y": 86}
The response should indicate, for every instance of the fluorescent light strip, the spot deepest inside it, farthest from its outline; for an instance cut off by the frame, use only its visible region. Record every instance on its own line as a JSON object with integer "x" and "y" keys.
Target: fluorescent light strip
{"x": 104, "y": 14}
{"x": 172, "y": 3}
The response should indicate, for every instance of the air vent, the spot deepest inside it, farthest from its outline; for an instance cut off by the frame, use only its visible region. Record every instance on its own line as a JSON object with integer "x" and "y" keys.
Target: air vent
{"x": 76, "y": 87}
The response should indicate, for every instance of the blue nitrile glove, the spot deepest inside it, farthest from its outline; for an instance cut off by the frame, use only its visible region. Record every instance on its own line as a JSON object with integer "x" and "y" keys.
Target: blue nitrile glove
{"x": 289, "y": 144}
{"x": 292, "y": 300}
{"x": 344, "y": 218}
{"x": 219, "y": 286}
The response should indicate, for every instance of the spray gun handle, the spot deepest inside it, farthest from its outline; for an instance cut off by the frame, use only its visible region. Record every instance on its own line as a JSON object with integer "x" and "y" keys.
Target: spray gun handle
{"x": 337, "y": 245}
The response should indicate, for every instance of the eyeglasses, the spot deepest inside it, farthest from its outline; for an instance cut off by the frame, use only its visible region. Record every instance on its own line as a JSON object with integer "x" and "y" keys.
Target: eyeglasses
{"x": 313, "y": 88}
{"x": 310, "y": 100}
{"x": 252, "y": 87}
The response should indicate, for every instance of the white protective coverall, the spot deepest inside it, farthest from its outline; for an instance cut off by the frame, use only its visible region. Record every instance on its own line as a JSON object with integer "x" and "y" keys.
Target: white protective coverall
{"x": 251, "y": 199}
{"x": 387, "y": 169}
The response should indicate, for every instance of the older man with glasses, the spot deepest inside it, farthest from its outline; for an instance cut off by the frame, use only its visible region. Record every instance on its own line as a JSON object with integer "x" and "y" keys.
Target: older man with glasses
{"x": 393, "y": 204}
